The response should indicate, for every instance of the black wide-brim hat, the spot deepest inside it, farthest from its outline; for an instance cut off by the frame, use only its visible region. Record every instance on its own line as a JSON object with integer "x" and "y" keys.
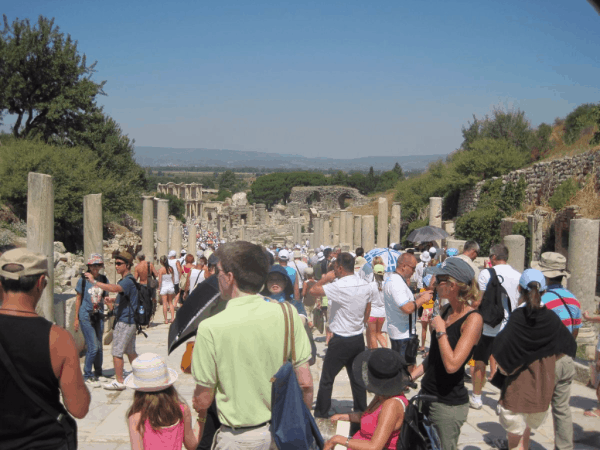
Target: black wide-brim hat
{"x": 381, "y": 371}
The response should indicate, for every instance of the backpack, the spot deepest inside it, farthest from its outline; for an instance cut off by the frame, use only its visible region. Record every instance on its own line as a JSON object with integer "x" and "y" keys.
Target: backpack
{"x": 144, "y": 312}
{"x": 418, "y": 432}
{"x": 292, "y": 425}
{"x": 491, "y": 307}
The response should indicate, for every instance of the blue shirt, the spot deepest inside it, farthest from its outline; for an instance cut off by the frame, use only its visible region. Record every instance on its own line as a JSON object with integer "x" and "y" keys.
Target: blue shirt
{"x": 553, "y": 302}
{"x": 86, "y": 298}
{"x": 292, "y": 274}
{"x": 129, "y": 290}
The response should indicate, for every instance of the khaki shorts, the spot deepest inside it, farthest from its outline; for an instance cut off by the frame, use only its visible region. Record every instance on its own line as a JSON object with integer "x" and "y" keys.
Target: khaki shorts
{"x": 123, "y": 339}
{"x": 516, "y": 423}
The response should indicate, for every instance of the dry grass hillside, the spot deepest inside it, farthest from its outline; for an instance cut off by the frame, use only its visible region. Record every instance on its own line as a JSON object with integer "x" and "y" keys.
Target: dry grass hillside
{"x": 561, "y": 149}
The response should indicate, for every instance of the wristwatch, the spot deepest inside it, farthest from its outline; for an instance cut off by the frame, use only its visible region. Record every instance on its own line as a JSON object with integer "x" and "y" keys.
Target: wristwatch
{"x": 439, "y": 334}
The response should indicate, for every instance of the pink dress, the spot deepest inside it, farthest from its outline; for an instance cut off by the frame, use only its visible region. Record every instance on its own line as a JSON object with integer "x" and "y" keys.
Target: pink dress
{"x": 170, "y": 438}
{"x": 368, "y": 423}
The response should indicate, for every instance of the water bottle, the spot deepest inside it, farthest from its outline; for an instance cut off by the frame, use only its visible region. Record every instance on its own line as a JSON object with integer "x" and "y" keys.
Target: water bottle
{"x": 141, "y": 310}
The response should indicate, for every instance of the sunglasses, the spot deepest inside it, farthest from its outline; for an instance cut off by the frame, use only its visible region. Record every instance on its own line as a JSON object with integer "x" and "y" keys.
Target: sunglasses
{"x": 119, "y": 263}
{"x": 442, "y": 279}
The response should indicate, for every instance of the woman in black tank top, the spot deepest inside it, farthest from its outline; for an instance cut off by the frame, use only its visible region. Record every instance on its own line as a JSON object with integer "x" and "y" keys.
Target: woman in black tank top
{"x": 453, "y": 338}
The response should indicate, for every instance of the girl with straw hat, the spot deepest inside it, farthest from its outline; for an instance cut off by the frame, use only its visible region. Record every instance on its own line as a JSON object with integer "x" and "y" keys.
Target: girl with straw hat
{"x": 158, "y": 418}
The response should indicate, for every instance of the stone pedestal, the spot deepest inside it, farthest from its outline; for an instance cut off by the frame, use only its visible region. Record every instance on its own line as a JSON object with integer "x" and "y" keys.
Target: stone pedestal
{"x": 176, "y": 237}
{"x": 382, "y": 223}
{"x": 395, "y": 223}
{"x": 458, "y": 244}
{"x": 342, "y": 228}
{"x": 435, "y": 211}
{"x": 357, "y": 232}
{"x": 582, "y": 261}
{"x": 40, "y": 236}
{"x": 192, "y": 232}
{"x": 92, "y": 225}
{"x": 162, "y": 227}
{"x": 535, "y": 229}
{"x": 336, "y": 231}
{"x": 350, "y": 229}
{"x": 516, "y": 251}
{"x": 368, "y": 233}
{"x": 148, "y": 227}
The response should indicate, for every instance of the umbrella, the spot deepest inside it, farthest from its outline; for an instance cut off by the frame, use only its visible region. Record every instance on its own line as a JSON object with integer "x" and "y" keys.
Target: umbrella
{"x": 427, "y": 234}
{"x": 388, "y": 255}
{"x": 200, "y": 304}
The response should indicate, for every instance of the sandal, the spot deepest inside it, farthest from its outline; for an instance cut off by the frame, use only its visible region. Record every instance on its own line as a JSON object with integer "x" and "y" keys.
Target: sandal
{"x": 421, "y": 349}
{"x": 592, "y": 413}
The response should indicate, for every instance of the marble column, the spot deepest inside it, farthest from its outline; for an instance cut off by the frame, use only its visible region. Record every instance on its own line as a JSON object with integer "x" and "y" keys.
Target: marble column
{"x": 395, "y": 223}
{"x": 40, "y": 237}
{"x": 382, "y": 223}
{"x": 537, "y": 239}
{"x": 516, "y": 251}
{"x": 368, "y": 232}
{"x": 357, "y": 232}
{"x": 336, "y": 230}
{"x": 148, "y": 227}
{"x": 176, "y": 237}
{"x": 192, "y": 232}
{"x": 342, "y": 228}
{"x": 435, "y": 211}
{"x": 92, "y": 225}
{"x": 317, "y": 231}
{"x": 326, "y": 233}
{"x": 582, "y": 261}
{"x": 162, "y": 227}
{"x": 350, "y": 230}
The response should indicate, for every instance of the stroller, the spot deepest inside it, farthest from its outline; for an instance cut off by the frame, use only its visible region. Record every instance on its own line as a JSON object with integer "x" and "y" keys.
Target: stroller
{"x": 417, "y": 432}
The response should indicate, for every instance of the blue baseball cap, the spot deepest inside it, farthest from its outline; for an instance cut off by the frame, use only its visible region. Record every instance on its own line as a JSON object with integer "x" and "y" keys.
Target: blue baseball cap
{"x": 452, "y": 252}
{"x": 530, "y": 275}
{"x": 427, "y": 279}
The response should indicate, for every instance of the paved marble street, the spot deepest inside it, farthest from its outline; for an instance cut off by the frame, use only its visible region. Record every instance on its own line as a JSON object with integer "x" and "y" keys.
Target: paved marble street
{"x": 105, "y": 427}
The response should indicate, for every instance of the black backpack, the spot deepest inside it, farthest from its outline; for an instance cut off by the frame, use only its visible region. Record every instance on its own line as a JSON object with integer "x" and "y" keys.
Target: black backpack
{"x": 418, "y": 432}
{"x": 492, "y": 308}
{"x": 144, "y": 312}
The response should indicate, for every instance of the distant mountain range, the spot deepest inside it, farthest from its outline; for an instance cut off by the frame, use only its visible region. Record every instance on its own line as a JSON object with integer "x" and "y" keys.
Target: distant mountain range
{"x": 189, "y": 157}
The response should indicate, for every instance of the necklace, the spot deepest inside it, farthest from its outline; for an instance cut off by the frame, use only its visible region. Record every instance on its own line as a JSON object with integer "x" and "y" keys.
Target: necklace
{"x": 18, "y": 310}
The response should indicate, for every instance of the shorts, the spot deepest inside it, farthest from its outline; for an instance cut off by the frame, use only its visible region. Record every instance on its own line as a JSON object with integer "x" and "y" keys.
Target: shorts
{"x": 516, "y": 423}
{"x": 123, "y": 339}
{"x": 176, "y": 288}
{"x": 376, "y": 320}
{"x": 426, "y": 316}
{"x": 483, "y": 349}
{"x": 167, "y": 290}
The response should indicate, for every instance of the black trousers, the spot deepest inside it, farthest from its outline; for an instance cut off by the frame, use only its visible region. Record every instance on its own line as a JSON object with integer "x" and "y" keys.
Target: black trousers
{"x": 210, "y": 427}
{"x": 340, "y": 353}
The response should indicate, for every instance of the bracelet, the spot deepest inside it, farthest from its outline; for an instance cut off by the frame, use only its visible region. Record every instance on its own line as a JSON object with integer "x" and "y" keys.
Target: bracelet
{"x": 347, "y": 442}
{"x": 201, "y": 419}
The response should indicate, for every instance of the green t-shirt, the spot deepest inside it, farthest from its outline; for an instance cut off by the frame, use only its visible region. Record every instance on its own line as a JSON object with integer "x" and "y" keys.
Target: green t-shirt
{"x": 238, "y": 351}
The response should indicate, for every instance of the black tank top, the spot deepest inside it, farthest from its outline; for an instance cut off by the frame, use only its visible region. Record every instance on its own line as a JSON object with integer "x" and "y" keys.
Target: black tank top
{"x": 23, "y": 425}
{"x": 448, "y": 387}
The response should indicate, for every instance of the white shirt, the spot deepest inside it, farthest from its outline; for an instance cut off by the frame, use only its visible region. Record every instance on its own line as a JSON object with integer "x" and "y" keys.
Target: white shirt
{"x": 418, "y": 276}
{"x": 173, "y": 264}
{"x": 196, "y": 277}
{"x": 396, "y": 293}
{"x": 348, "y": 298}
{"x": 299, "y": 266}
{"x": 377, "y": 305}
{"x": 509, "y": 279}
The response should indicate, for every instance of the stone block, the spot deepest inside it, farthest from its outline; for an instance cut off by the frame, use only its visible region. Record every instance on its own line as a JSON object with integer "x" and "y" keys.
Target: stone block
{"x": 70, "y": 324}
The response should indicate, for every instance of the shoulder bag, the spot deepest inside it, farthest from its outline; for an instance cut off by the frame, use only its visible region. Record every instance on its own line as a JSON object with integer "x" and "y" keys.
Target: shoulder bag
{"x": 152, "y": 281}
{"x": 63, "y": 418}
{"x": 412, "y": 348}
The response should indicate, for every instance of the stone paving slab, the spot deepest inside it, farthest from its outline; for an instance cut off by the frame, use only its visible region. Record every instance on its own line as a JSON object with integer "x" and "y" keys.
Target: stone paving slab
{"x": 105, "y": 426}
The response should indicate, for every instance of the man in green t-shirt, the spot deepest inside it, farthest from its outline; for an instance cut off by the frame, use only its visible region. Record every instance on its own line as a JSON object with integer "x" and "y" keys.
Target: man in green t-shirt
{"x": 238, "y": 350}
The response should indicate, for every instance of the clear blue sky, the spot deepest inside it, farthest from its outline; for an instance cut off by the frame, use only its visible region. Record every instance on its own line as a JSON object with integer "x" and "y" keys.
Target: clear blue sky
{"x": 329, "y": 78}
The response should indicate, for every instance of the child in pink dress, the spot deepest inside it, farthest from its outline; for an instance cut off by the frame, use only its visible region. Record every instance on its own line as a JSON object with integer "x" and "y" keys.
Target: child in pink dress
{"x": 158, "y": 418}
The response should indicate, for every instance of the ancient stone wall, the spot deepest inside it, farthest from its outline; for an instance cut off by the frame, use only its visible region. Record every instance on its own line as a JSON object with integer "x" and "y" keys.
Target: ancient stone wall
{"x": 541, "y": 178}
{"x": 327, "y": 197}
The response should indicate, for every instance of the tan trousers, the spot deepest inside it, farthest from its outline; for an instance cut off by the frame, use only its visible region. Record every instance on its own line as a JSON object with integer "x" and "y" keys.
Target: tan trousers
{"x": 248, "y": 439}
{"x": 564, "y": 372}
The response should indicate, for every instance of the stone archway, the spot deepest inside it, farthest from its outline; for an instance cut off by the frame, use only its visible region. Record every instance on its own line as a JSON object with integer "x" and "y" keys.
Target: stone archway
{"x": 315, "y": 197}
{"x": 327, "y": 197}
{"x": 345, "y": 200}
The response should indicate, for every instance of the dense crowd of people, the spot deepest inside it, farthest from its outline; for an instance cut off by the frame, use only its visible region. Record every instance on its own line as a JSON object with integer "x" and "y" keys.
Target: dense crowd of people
{"x": 378, "y": 295}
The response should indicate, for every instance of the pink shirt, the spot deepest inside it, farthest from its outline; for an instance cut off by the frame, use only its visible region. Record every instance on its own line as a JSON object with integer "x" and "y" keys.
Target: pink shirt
{"x": 368, "y": 423}
{"x": 170, "y": 438}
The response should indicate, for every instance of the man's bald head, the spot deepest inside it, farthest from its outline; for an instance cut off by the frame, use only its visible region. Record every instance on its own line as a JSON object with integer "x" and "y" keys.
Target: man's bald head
{"x": 405, "y": 265}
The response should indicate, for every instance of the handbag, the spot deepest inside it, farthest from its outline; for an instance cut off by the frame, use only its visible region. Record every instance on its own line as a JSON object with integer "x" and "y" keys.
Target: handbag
{"x": 292, "y": 425}
{"x": 186, "y": 359}
{"x": 418, "y": 432}
{"x": 412, "y": 348}
{"x": 152, "y": 281}
{"x": 183, "y": 280}
{"x": 64, "y": 419}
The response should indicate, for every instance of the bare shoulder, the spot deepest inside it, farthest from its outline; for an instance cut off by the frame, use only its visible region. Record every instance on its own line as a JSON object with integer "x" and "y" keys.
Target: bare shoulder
{"x": 61, "y": 339}
{"x": 134, "y": 419}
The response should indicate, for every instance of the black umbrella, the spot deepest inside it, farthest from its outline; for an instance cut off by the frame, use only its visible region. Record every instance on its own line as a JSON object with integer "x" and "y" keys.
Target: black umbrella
{"x": 200, "y": 304}
{"x": 427, "y": 234}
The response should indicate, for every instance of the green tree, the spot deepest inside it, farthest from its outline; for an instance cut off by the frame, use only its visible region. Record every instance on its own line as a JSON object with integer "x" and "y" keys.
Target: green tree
{"x": 223, "y": 194}
{"x": 277, "y": 187}
{"x": 581, "y": 117}
{"x": 398, "y": 170}
{"x": 387, "y": 180}
{"x": 596, "y": 117}
{"x": 44, "y": 81}
{"x": 227, "y": 180}
{"x": 176, "y": 206}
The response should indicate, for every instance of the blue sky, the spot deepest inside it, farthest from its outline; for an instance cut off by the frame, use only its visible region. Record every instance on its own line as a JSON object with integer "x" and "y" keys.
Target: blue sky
{"x": 329, "y": 78}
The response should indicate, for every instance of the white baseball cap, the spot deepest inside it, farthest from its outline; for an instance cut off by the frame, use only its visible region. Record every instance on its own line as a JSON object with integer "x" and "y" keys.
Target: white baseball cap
{"x": 284, "y": 255}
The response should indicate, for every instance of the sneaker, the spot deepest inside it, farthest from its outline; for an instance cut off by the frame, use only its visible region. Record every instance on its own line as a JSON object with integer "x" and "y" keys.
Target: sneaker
{"x": 91, "y": 382}
{"x": 114, "y": 385}
{"x": 475, "y": 404}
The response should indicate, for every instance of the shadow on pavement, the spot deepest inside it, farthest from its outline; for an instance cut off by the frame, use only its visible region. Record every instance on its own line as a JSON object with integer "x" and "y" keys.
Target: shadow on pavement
{"x": 582, "y": 402}
{"x": 591, "y": 438}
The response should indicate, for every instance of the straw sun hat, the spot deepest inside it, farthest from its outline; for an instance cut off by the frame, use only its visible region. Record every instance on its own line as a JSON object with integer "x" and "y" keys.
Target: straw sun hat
{"x": 150, "y": 374}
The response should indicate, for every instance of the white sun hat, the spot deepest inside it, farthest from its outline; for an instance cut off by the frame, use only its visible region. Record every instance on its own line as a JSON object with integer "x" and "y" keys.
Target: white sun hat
{"x": 150, "y": 374}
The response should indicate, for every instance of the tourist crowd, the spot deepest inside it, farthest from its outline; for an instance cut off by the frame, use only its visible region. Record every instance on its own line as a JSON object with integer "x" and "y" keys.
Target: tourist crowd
{"x": 526, "y": 350}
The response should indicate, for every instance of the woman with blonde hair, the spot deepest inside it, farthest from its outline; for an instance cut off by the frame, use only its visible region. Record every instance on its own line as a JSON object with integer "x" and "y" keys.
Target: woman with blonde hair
{"x": 375, "y": 334}
{"x": 453, "y": 337}
{"x": 166, "y": 287}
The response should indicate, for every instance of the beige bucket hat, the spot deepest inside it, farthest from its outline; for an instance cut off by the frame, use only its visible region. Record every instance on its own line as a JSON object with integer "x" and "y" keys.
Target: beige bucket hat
{"x": 552, "y": 265}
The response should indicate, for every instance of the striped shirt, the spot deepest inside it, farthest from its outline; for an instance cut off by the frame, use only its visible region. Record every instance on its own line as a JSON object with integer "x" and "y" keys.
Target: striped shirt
{"x": 553, "y": 302}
